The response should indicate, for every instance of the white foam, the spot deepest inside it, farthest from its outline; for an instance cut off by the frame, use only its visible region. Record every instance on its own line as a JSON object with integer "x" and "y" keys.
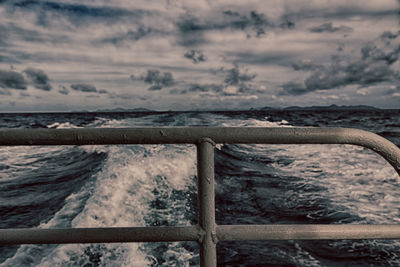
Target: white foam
{"x": 64, "y": 125}
{"x": 121, "y": 197}
{"x": 354, "y": 177}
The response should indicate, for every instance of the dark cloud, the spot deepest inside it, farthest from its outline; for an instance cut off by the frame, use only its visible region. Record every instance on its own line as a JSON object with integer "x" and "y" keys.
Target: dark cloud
{"x": 327, "y": 27}
{"x": 235, "y": 77}
{"x": 294, "y": 88}
{"x": 64, "y": 90}
{"x": 370, "y": 51}
{"x": 373, "y": 67}
{"x": 389, "y": 35}
{"x": 255, "y": 58}
{"x": 192, "y": 29}
{"x": 236, "y": 82}
{"x": 287, "y": 22}
{"x": 39, "y": 79}
{"x": 177, "y": 92}
{"x": 83, "y": 87}
{"x": 196, "y": 56}
{"x": 102, "y": 91}
{"x": 304, "y": 65}
{"x": 136, "y": 35}
{"x": 76, "y": 13}
{"x": 157, "y": 79}
{"x": 155, "y": 88}
{"x": 12, "y": 80}
{"x": 195, "y": 87}
{"x": 255, "y": 21}
{"x": 342, "y": 12}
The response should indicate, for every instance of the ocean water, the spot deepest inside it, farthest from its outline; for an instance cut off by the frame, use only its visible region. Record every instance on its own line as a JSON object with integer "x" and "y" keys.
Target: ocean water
{"x": 152, "y": 185}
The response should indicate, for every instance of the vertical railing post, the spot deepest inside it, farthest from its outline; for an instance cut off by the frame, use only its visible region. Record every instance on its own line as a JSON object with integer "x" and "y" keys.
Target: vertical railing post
{"x": 205, "y": 169}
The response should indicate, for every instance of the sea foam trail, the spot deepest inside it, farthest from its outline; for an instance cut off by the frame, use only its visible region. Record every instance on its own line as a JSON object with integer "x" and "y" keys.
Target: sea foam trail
{"x": 138, "y": 186}
{"x": 123, "y": 194}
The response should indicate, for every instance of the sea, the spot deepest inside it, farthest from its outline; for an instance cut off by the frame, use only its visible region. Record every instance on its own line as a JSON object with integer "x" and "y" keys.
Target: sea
{"x": 156, "y": 185}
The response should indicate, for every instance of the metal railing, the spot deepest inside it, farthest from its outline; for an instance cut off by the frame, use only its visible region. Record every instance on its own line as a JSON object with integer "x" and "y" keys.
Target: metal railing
{"x": 207, "y": 233}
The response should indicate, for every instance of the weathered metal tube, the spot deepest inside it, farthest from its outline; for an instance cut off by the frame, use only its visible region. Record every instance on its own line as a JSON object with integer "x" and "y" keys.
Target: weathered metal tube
{"x": 100, "y": 235}
{"x": 190, "y": 135}
{"x": 205, "y": 170}
{"x": 307, "y": 232}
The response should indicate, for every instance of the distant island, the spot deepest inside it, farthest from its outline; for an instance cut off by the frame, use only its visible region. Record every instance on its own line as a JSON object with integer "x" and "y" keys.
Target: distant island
{"x": 294, "y": 108}
{"x": 125, "y": 110}
{"x": 331, "y": 107}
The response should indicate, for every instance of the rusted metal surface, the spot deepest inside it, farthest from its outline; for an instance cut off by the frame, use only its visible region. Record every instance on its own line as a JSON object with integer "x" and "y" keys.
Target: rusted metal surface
{"x": 190, "y": 135}
{"x": 205, "y": 170}
{"x": 307, "y": 232}
{"x": 100, "y": 235}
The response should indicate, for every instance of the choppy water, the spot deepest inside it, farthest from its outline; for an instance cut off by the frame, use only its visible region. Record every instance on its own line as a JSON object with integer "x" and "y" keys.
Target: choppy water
{"x": 151, "y": 185}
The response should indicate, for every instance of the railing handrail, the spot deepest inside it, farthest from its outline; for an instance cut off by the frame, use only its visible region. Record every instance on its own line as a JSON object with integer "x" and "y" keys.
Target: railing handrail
{"x": 207, "y": 233}
{"x": 191, "y": 135}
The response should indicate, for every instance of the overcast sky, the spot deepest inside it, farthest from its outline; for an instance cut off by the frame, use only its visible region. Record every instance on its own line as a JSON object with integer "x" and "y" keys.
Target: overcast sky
{"x": 180, "y": 55}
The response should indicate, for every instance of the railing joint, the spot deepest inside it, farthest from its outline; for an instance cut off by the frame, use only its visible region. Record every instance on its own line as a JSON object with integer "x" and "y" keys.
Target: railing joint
{"x": 214, "y": 237}
{"x": 206, "y": 139}
{"x": 201, "y": 234}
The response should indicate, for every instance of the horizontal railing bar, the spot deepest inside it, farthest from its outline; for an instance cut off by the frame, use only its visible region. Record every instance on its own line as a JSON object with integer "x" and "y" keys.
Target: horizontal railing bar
{"x": 194, "y": 233}
{"x": 191, "y": 135}
{"x": 100, "y": 235}
{"x": 307, "y": 232}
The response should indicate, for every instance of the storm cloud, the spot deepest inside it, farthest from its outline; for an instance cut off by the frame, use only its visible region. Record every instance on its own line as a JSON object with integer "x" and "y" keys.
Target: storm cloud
{"x": 39, "y": 78}
{"x": 236, "y": 81}
{"x": 370, "y": 51}
{"x": 195, "y": 87}
{"x": 84, "y": 87}
{"x": 75, "y": 13}
{"x": 131, "y": 35}
{"x": 373, "y": 67}
{"x": 12, "y": 80}
{"x": 157, "y": 79}
{"x": 192, "y": 29}
{"x": 196, "y": 56}
{"x": 305, "y": 64}
{"x": 235, "y": 76}
{"x": 328, "y": 27}
{"x": 255, "y": 21}
{"x": 63, "y": 90}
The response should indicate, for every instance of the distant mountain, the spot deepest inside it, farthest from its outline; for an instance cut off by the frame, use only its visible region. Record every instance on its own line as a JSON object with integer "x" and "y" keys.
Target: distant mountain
{"x": 266, "y": 108}
{"x": 333, "y": 107}
{"x": 125, "y": 110}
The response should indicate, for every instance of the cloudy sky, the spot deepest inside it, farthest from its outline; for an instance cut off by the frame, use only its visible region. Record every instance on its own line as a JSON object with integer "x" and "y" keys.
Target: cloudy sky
{"x": 180, "y": 55}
